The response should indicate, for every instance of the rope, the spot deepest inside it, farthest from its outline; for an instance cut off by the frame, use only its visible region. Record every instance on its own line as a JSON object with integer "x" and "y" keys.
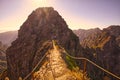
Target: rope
{"x": 93, "y": 64}
{"x": 35, "y": 67}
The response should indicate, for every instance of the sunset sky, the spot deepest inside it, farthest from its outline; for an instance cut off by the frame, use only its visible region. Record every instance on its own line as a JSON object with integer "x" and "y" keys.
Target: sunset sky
{"x": 84, "y": 14}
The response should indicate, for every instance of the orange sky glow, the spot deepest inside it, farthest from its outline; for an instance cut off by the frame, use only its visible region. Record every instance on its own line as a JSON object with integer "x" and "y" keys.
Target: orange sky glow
{"x": 14, "y": 21}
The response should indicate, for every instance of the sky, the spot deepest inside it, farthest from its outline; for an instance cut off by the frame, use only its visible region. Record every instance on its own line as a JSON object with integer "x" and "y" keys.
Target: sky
{"x": 78, "y": 14}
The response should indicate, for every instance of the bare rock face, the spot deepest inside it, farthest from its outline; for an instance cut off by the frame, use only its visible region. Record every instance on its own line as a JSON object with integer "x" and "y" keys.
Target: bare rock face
{"x": 42, "y": 25}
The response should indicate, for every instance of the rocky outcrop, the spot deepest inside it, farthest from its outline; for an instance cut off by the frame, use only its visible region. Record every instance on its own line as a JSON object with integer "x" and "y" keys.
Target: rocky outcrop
{"x": 42, "y": 25}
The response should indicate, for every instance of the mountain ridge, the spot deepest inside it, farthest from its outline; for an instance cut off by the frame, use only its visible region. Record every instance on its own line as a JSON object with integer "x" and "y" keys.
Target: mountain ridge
{"x": 42, "y": 25}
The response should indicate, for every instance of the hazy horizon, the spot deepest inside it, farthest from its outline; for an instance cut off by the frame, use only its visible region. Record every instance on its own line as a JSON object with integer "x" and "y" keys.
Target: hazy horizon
{"x": 78, "y": 14}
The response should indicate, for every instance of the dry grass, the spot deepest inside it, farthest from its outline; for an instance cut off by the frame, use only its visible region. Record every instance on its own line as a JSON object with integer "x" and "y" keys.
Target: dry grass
{"x": 79, "y": 74}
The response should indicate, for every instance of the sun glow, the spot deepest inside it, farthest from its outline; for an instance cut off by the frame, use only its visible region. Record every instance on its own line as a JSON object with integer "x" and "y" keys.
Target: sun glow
{"x": 40, "y": 3}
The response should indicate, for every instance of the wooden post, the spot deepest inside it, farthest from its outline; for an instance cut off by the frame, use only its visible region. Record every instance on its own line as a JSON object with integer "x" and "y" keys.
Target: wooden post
{"x": 84, "y": 68}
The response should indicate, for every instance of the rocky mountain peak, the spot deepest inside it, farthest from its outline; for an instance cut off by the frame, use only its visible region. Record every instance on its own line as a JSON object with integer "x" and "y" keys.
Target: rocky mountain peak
{"x": 43, "y": 25}
{"x": 43, "y": 19}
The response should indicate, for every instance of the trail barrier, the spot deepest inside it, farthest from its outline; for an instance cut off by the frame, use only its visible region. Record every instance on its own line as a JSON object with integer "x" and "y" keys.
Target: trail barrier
{"x": 85, "y": 59}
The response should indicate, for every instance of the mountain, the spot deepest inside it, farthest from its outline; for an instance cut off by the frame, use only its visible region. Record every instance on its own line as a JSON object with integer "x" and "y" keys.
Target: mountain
{"x": 35, "y": 40}
{"x": 8, "y": 37}
{"x": 102, "y": 46}
{"x": 43, "y": 25}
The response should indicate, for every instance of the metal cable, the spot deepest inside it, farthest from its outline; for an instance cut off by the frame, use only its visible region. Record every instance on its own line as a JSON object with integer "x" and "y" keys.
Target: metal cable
{"x": 35, "y": 67}
{"x": 93, "y": 64}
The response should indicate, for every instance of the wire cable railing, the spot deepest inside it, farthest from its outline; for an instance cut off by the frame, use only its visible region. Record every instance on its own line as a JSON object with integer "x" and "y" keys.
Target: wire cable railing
{"x": 82, "y": 58}
{"x": 25, "y": 78}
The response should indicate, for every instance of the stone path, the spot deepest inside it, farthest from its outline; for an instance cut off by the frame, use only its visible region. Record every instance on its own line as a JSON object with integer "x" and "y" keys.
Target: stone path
{"x": 58, "y": 65}
{"x": 54, "y": 68}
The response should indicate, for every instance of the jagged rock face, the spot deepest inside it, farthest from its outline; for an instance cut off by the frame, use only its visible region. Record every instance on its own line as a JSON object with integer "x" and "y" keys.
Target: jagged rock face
{"x": 104, "y": 49}
{"x": 42, "y": 25}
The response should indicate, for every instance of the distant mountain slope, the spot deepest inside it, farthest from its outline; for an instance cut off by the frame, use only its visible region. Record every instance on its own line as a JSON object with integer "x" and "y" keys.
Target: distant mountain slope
{"x": 103, "y": 48}
{"x": 8, "y": 37}
{"x": 93, "y": 37}
{"x": 82, "y": 34}
{"x": 114, "y": 31}
{"x": 3, "y": 62}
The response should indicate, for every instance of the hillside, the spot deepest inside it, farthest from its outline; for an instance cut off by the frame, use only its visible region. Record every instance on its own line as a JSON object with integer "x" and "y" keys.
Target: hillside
{"x": 8, "y": 37}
